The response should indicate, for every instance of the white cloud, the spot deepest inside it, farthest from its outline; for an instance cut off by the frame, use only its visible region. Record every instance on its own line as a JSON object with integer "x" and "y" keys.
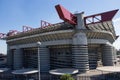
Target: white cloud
{"x": 117, "y": 25}
{"x": 116, "y": 20}
{"x": 116, "y": 44}
{"x": 117, "y": 29}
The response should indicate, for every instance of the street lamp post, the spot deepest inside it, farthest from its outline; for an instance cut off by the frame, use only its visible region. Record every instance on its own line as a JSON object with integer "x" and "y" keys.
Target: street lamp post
{"x": 38, "y": 44}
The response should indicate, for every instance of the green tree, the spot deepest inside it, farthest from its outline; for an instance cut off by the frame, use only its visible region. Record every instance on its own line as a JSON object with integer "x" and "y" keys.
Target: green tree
{"x": 66, "y": 77}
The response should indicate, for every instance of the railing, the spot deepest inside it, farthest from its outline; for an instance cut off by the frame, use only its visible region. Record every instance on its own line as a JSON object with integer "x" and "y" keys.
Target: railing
{"x": 9, "y": 76}
{"x": 109, "y": 76}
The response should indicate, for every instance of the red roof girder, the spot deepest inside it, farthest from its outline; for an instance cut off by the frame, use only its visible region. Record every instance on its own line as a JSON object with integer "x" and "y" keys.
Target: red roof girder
{"x": 65, "y": 15}
{"x": 2, "y": 35}
{"x": 27, "y": 28}
{"x": 45, "y": 24}
{"x": 106, "y": 16}
{"x": 12, "y": 32}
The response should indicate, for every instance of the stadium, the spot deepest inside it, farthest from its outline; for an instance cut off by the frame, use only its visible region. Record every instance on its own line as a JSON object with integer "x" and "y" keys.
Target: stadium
{"x": 80, "y": 42}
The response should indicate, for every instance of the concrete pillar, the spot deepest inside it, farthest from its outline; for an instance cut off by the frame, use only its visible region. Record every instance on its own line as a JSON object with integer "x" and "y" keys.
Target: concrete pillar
{"x": 80, "y": 52}
{"x": 9, "y": 57}
{"x": 80, "y": 21}
{"x": 107, "y": 55}
{"x": 44, "y": 59}
{"x": 115, "y": 54}
{"x": 18, "y": 58}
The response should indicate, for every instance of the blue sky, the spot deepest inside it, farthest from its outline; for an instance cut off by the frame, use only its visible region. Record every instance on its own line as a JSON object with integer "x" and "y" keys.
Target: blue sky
{"x": 16, "y": 13}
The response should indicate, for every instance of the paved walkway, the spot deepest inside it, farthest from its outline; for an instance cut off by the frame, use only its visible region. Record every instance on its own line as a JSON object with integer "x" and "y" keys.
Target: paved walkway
{"x": 92, "y": 73}
{"x": 98, "y": 75}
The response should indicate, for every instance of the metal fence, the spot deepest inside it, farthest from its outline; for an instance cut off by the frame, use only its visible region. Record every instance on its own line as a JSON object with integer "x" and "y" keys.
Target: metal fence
{"x": 10, "y": 76}
{"x": 110, "y": 76}
{"x": 46, "y": 76}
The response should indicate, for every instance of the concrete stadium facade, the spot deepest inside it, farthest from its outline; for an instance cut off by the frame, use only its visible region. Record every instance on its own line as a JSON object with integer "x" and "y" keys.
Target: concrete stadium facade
{"x": 63, "y": 46}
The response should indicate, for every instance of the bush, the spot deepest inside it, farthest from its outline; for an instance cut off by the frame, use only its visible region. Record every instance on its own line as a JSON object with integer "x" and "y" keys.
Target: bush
{"x": 66, "y": 77}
